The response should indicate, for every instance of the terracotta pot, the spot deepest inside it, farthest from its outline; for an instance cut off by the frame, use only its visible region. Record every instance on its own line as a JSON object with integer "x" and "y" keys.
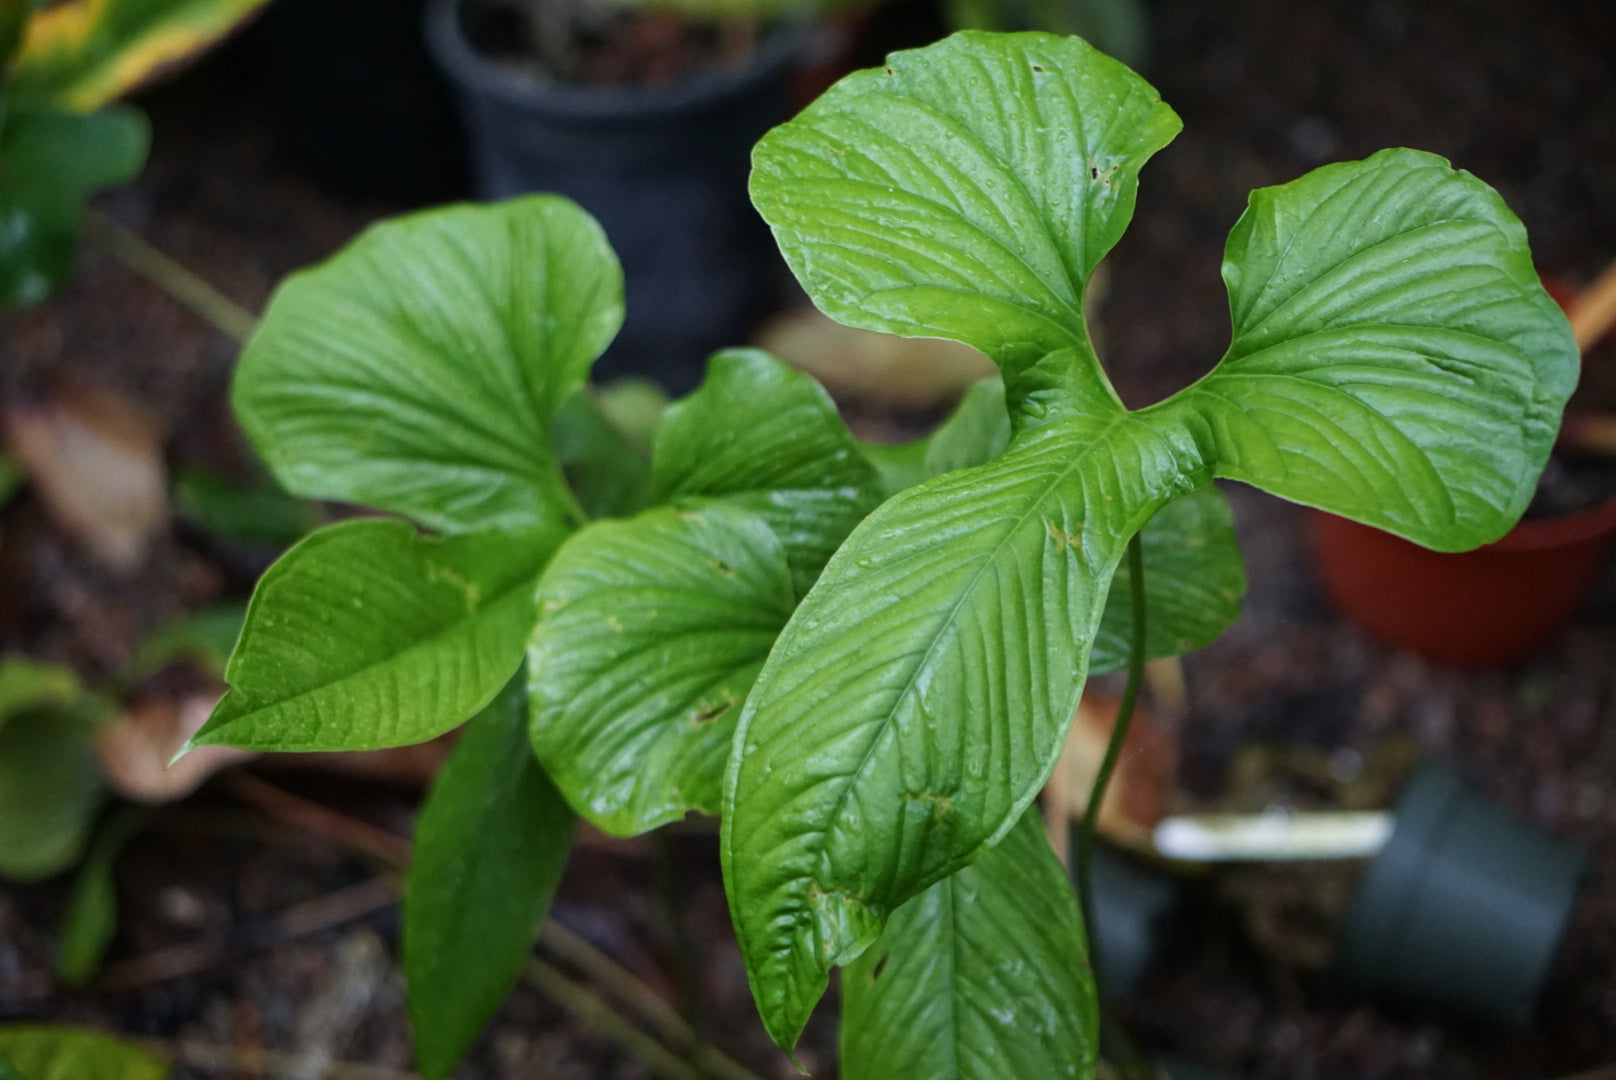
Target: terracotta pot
{"x": 1487, "y": 607}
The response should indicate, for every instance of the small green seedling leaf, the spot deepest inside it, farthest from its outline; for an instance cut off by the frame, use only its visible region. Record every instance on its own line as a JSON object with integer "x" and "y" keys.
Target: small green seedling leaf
{"x": 50, "y": 778}
{"x": 763, "y": 436}
{"x": 42, "y": 1052}
{"x": 92, "y": 913}
{"x": 490, "y": 846}
{"x": 368, "y": 634}
{"x": 419, "y": 370}
{"x": 983, "y": 976}
{"x": 651, "y": 633}
{"x": 51, "y": 162}
{"x": 204, "y": 638}
{"x": 260, "y": 512}
{"x": 1394, "y": 359}
{"x": 974, "y": 434}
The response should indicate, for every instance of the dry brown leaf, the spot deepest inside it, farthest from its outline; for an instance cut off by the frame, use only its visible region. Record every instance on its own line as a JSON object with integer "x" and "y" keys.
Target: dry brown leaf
{"x": 138, "y": 745}
{"x": 96, "y": 461}
{"x": 1138, "y": 794}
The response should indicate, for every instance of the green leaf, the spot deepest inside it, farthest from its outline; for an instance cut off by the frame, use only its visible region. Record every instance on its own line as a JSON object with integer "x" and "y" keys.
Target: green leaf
{"x": 1394, "y": 359}
{"x": 205, "y": 638}
{"x": 83, "y": 53}
{"x": 240, "y": 511}
{"x": 490, "y": 846}
{"x": 983, "y": 976}
{"x": 967, "y": 191}
{"x": 758, "y": 434}
{"x": 899, "y": 465}
{"x": 974, "y": 434}
{"x": 8, "y": 1071}
{"x": 50, "y": 777}
{"x": 41, "y": 1052}
{"x": 1194, "y": 581}
{"x": 368, "y": 634}
{"x": 419, "y": 369}
{"x": 606, "y": 467}
{"x": 652, "y": 631}
{"x": 92, "y": 913}
{"x": 922, "y": 691}
{"x": 51, "y": 162}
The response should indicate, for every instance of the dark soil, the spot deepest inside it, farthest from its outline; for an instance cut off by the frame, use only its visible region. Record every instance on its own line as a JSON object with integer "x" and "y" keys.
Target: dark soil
{"x": 216, "y": 943}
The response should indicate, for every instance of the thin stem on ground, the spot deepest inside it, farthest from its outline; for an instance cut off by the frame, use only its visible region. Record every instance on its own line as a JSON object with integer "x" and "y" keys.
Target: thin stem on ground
{"x": 206, "y": 302}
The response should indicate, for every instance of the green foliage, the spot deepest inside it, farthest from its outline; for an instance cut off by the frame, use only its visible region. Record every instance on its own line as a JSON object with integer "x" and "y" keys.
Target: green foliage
{"x": 92, "y": 913}
{"x": 50, "y": 778}
{"x": 489, "y": 847}
{"x": 967, "y": 191}
{"x": 871, "y": 692}
{"x": 41, "y": 1052}
{"x": 51, "y": 161}
{"x": 982, "y": 976}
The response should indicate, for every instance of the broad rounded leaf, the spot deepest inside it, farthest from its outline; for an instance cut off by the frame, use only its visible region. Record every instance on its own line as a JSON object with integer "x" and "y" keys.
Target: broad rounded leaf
{"x": 761, "y": 435}
{"x": 1194, "y": 581}
{"x": 490, "y": 845}
{"x": 42, "y": 1052}
{"x": 967, "y": 191}
{"x": 419, "y": 369}
{"x": 983, "y": 976}
{"x": 51, "y": 162}
{"x": 50, "y": 790}
{"x": 84, "y": 53}
{"x": 368, "y": 634}
{"x": 922, "y": 691}
{"x": 1394, "y": 359}
{"x": 651, "y": 633}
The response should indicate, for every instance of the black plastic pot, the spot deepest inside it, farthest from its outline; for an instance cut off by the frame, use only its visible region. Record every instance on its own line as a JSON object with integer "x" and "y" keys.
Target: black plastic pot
{"x": 1463, "y": 910}
{"x": 1134, "y": 909}
{"x": 663, "y": 168}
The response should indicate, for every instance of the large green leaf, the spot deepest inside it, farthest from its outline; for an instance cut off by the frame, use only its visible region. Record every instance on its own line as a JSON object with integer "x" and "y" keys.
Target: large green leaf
{"x": 51, "y": 162}
{"x": 419, "y": 369}
{"x": 761, "y": 435}
{"x": 1394, "y": 358}
{"x": 490, "y": 846}
{"x": 652, "y": 631}
{"x": 922, "y": 690}
{"x": 368, "y": 634}
{"x": 967, "y": 191}
{"x": 604, "y": 466}
{"x": 43, "y": 1052}
{"x": 983, "y": 976}
{"x": 83, "y": 53}
{"x": 1194, "y": 581}
{"x": 921, "y": 693}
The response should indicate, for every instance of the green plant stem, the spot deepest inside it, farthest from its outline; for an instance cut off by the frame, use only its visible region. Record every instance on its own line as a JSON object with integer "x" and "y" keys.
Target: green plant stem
{"x": 206, "y": 302}
{"x": 1113, "y": 749}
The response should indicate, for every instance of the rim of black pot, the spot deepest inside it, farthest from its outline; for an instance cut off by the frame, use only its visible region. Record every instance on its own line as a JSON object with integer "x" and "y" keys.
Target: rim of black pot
{"x": 780, "y": 46}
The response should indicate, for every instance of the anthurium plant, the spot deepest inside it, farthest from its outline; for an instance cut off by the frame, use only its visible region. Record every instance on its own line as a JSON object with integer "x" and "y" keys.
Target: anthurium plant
{"x": 63, "y": 137}
{"x": 864, "y": 659}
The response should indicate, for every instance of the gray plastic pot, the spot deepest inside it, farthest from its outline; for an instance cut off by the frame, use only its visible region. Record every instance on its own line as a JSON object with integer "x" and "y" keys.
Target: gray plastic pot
{"x": 664, "y": 170}
{"x": 1463, "y": 910}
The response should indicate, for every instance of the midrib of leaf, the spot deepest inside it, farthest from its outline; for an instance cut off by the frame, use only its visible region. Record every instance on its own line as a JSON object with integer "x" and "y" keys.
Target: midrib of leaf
{"x": 885, "y": 729}
{"x": 460, "y": 628}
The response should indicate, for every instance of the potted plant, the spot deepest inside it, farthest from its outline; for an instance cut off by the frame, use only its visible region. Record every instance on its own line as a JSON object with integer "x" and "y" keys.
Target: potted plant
{"x": 864, "y": 660}
{"x": 645, "y": 117}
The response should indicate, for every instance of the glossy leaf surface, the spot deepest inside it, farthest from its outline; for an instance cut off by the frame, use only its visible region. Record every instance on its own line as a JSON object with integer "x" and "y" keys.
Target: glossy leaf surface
{"x": 490, "y": 845}
{"x": 43, "y": 1052}
{"x": 1394, "y": 358}
{"x": 652, "y": 631}
{"x": 51, "y": 162}
{"x": 83, "y": 53}
{"x": 763, "y": 436}
{"x": 985, "y": 975}
{"x": 921, "y": 692}
{"x": 967, "y": 191}
{"x": 419, "y": 369}
{"x": 368, "y": 634}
